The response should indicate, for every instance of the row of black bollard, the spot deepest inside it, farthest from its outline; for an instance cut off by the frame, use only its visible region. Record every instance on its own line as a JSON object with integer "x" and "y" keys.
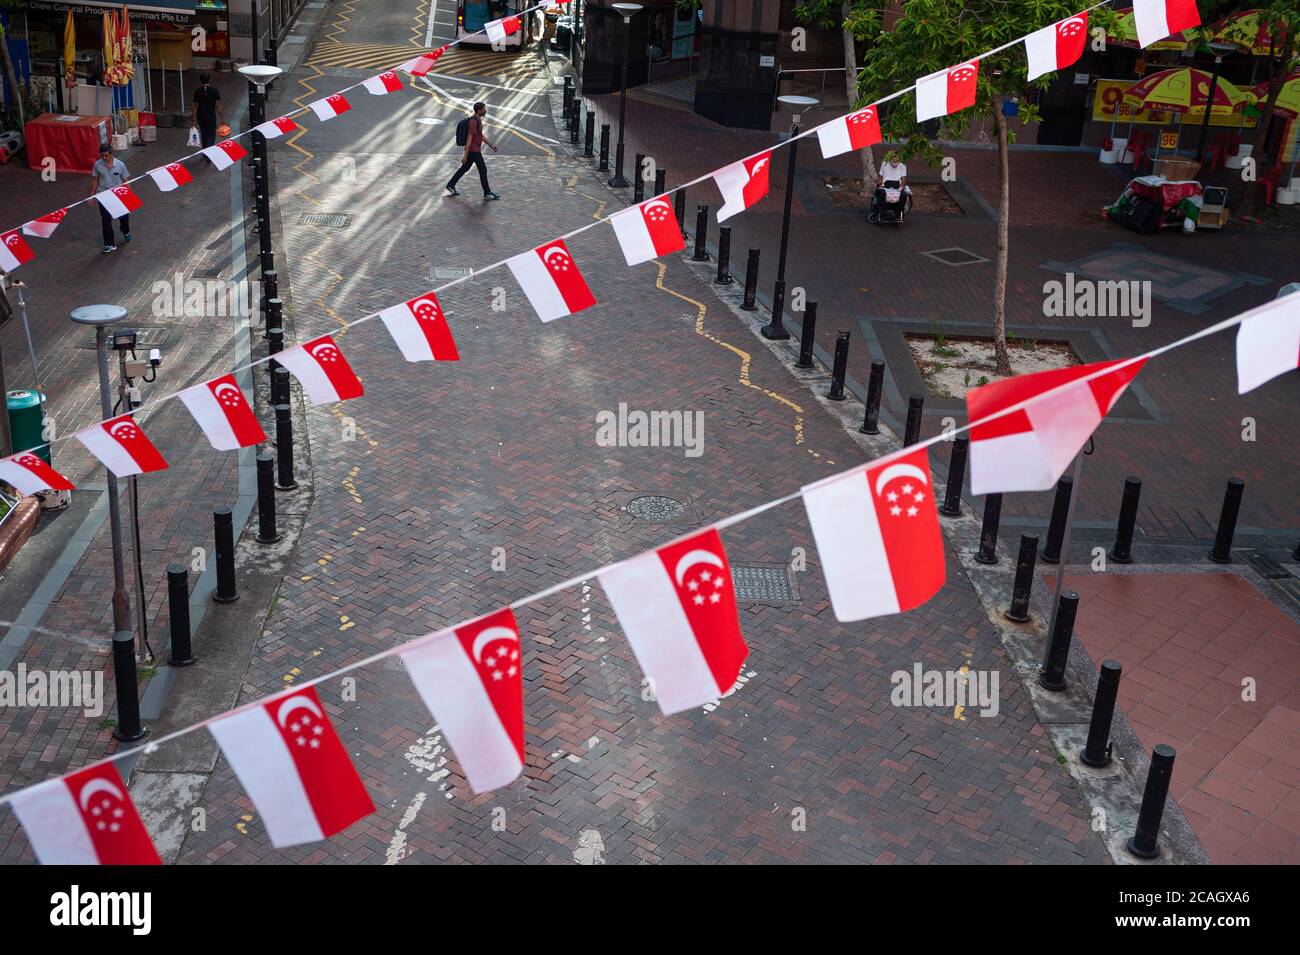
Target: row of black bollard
{"x": 808, "y": 336}
{"x": 575, "y": 118}
{"x": 951, "y": 506}
{"x": 912, "y": 431}
{"x": 751, "y": 282}
{"x": 1122, "y": 551}
{"x": 589, "y": 139}
{"x": 661, "y": 179}
{"x": 841, "y": 366}
{"x": 604, "y": 148}
{"x": 1018, "y": 612}
{"x": 638, "y": 179}
{"x": 679, "y": 210}
{"x": 875, "y": 389}
{"x": 988, "y": 550}
{"x": 701, "y": 234}
{"x": 724, "y": 257}
{"x": 1060, "y": 513}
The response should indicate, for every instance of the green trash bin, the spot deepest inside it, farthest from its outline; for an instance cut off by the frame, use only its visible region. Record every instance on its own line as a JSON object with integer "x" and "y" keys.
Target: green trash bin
{"x": 26, "y": 422}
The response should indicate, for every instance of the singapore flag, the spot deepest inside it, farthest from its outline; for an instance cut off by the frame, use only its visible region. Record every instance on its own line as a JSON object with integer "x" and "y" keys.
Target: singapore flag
{"x": 498, "y": 30}
{"x": 119, "y": 201}
{"x": 1058, "y": 46}
{"x": 122, "y": 447}
{"x": 854, "y": 131}
{"x": 330, "y": 106}
{"x": 471, "y": 679}
{"x": 1029, "y": 448}
{"x": 947, "y": 91}
{"x": 1268, "y": 342}
{"x": 1156, "y": 19}
{"x": 224, "y": 155}
{"x": 86, "y": 818}
{"x": 422, "y": 64}
{"x": 276, "y": 127}
{"x": 648, "y": 231}
{"x": 44, "y": 226}
{"x": 322, "y": 370}
{"x": 551, "y": 280}
{"x": 678, "y": 609}
{"x": 223, "y": 413}
{"x": 383, "y": 84}
{"x": 14, "y": 251}
{"x": 420, "y": 329}
{"x": 742, "y": 184}
{"x": 290, "y": 761}
{"x": 878, "y": 537}
{"x": 171, "y": 176}
{"x": 29, "y": 474}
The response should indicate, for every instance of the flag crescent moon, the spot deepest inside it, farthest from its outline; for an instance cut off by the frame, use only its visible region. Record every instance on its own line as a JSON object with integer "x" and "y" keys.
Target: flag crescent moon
{"x": 98, "y": 786}
{"x": 696, "y": 557}
{"x": 296, "y": 703}
{"x": 124, "y": 425}
{"x": 487, "y": 636}
{"x": 655, "y": 203}
{"x": 900, "y": 470}
{"x": 557, "y": 249}
{"x": 425, "y": 301}
{"x": 222, "y": 388}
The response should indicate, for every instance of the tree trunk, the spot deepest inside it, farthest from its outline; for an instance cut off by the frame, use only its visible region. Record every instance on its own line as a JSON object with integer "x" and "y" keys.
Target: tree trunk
{"x": 1004, "y": 215}
{"x": 851, "y": 87}
{"x": 1280, "y": 71}
{"x": 12, "y": 76}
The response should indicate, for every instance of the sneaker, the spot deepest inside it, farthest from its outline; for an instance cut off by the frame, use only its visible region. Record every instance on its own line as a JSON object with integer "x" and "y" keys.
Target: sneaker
{"x": 109, "y": 248}
{"x": 126, "y": 237}
{"x": 451, "y": 191}
{"x": 490, "y": 195}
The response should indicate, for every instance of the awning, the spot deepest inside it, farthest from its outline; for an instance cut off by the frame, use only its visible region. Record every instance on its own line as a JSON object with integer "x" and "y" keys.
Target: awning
{"x": 172, "y": 10}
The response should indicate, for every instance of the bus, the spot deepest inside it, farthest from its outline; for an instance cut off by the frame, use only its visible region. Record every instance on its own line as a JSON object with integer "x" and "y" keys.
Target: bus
{"x": 471, "y": 15}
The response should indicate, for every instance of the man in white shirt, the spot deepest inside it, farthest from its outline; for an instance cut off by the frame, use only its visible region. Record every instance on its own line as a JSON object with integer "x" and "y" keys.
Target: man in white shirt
{"x": 892, "y": 170}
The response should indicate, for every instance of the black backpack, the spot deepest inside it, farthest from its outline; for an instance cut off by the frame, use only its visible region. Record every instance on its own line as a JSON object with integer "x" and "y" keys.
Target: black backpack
{"x": 462, "y": 131}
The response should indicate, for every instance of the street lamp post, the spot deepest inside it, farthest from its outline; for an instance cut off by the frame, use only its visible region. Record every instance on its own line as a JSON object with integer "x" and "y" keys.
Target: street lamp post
{"x": 259, "y": 77}
{"x": 799, "y": 105}
{"x": 628, "y": 10}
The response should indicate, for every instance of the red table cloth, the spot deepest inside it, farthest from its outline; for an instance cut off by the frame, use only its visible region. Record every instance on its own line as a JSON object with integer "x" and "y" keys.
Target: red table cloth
{"x": 73, "y": 141}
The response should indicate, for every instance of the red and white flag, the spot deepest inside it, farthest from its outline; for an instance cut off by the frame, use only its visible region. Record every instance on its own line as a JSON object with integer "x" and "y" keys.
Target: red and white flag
{"x": 471, "y": 679}
{"x": 14, "y": 251}
{"x": 420, "y": 329}
{"x": 498, "y": 30}
{"x": 854, "y": 131}
{"x": 947, "y": 91}
{"x": 44, "y": 226}
{"x": 276, "y": 128}
{"x": 293, "y": 766}
{"x": 1268, "y": 344}
{"x": 1028, "y": 449}
{"x": 330, "y": 106}
{"x": 171, "y": 176}
{"x": 678, "y": 609}
{"x": 742, "y": 184}
{"x": 122, "y": 447}
{"x": 551, "y": 280}
{"x": 422, "y": 64}
{"x": 321, "y": 369}
{"x": 119, "y": 201}
{"x": 224, "y": 155}
{"x": 1058, "y": 46}
{"x": 648, "y": 231}
{"x": 878, "y": 537}
{"x": 383, "y": 84}
{"x": 86, "y": 818}
{"x": 1156, "y": 19}
{"x": 29, "y": 473}
{"x": 222, "y": 411}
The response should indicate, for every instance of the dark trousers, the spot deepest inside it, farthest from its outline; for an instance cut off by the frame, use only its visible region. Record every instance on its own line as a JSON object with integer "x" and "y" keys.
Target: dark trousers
{"x": 207, "y": 133}
{"x": 106, "y": 221}
{"x": 475, "y": 159}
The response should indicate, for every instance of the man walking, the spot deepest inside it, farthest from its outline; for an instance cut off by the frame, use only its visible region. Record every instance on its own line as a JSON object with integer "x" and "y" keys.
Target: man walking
{"x": 109, "y": 173}
{"x": 474, "y": 154}
{"x": 206, "y": 112}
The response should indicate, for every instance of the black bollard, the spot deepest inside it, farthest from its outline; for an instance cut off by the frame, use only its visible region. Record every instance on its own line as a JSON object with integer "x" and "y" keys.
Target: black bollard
{"x": 1060, "y": 511}
{"x": 841, "y": 367}
{"x": 701, "y": 234}
{"x": 224, "y": 532}
{"x": 988, "y": 552}
{"x": 574, "y": 120}
{"x": 679, "y": 210}
{"x": 589, "y": 139}
{"x": 1018, "y": 612}
{"x": 724, "y": 257}
{"x": 604, "y": 148}
{"x": 568, "y": 94}
{"x": 1222, "y": 551}
{"x": 751, "y": 282}
{"x": 279, "y": 385}
{"x": 638, "y": 180}
{"x": 951, "y": 506}
{"x": 178, "y": 610}
{"x": 661, "y": 178}
{"x": 1097, "y": 752}
{"x": 284, "y": 448}
{"x": 776, "y": 330}
{"x": 274, "y": 314}
{"x": 1122, "y": 551}
{"x": 915, "y": 409}
{"x": 1143, "y": 844}
{"x": 1052, "y": 676}
{"x": 274, "y": 342}
{"x": 807, "y": 337}
{"x": 266, "y": 529}
{"x": 128, "y": 728}
{"x": 875, "y": 388}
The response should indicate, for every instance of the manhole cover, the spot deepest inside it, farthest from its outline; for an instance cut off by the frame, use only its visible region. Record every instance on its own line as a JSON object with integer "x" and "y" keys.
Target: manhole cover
{"x": 148, "y": 337}
{"x": 331, "y": 220}
{"x": 954, "y": 256}
{"x": 762, "y": 582}
{"x": 655, "y": 509}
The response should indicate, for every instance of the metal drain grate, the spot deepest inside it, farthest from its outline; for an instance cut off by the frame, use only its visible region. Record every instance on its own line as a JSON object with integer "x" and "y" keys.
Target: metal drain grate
{"x": 762, "y": 582}
{"x": 1268, "y": 568}
{"x": 954, "y": 256}
{"x": 331, "y": 220}
{"x": 655, "y": 509}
